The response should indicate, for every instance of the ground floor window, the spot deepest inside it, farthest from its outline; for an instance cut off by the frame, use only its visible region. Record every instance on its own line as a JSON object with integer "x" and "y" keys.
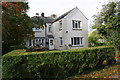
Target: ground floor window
{"x": 29, "y": 42}
{"x": 61, "y": 41}
{"x": 35, "y": 42}
{"x": 51, "y": 42}
{"x": 77, "y": 40}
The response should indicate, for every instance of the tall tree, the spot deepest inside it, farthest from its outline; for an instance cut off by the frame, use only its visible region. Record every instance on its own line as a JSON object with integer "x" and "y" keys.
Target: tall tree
{"x": 95, "y": 39}
{"x": 16, "y": 24}
{"x": 107, "y": 23}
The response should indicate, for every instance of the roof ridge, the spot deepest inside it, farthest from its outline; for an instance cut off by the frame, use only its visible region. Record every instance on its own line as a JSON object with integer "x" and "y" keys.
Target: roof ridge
{"x": 63, "y": 15}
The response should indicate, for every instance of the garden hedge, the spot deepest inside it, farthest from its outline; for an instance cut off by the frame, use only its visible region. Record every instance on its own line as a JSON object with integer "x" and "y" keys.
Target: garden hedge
{"x": 17, "y": 47}
{"x": 53, "y": 64}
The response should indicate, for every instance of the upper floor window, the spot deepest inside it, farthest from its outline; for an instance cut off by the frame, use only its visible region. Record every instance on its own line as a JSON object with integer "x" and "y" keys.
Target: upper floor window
{"x": 36, "y": 29}
{"x": 60, "y": 24}
{"x": 49, "y": 29}
{"x": 76, "y": 24}
{"x": 77, "y": 41}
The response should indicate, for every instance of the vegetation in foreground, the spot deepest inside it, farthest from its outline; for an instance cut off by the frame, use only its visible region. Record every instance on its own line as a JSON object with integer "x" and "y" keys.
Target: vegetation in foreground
{"x": 107, "y": 23}
{"x": 54, "y": 64}
{"x": 107, "y": 72}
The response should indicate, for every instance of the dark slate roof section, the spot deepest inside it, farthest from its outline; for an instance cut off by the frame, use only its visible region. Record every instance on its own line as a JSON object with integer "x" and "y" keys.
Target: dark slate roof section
{"x": 45, "y": 19}
{"x": 65, "y": 14}
{"x": 62, "y": 16}
{"x": 50, "y": 36}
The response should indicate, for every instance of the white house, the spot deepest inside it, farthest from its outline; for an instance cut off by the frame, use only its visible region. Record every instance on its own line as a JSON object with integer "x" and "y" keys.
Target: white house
{"x": 69, "y": 31}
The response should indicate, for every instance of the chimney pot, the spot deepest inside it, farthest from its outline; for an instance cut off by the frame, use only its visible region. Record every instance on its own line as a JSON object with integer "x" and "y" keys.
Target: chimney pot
{"x": 42, "y": 14}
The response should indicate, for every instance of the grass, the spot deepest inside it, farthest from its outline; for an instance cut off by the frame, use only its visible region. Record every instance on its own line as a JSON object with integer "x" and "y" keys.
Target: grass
{"x": 106, "y": 72}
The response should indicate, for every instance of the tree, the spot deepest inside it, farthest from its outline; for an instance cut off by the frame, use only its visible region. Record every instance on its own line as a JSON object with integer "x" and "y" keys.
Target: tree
{"x": 38, "y": 22}
{"x": 107, "y": 23}
{"x": 16, "y": 24}
{"x": 95, "y": 39}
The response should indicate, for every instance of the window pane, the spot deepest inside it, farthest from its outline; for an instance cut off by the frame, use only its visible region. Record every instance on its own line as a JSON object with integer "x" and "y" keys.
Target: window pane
{"x": 39, "y": 41}
{"x": 51, "y": 42}
{"x": 81, "y": 40}
{"x": 78, "y": 24}
{"x": 36, "y": 41}
{"x": 33, "y": 42}
{"x": 42, "y": 42}
{"x": 75, "y": 41}
{"x": 29, "y": 42}
{"x": 49, "y": 29}
{"x": 61, "y": 42}
{"x": 60, "y": 22}
{"x": 72, "y": 41}
{"x": 78, "y": 41}
{"x": 73, "y": 24}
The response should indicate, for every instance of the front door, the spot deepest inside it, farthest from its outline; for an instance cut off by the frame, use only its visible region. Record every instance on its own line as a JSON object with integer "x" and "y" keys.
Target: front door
{"x": 51, "y": 44}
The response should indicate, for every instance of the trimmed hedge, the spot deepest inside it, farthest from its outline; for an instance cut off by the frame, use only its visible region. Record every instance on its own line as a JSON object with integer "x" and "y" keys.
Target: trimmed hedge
{"x": 54, "y": 64}
{"x": 17, "y": 47}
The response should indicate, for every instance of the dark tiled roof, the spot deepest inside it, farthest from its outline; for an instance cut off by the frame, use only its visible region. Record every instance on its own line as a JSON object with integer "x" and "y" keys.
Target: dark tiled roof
{"x": 62, "y": 16}
{"x": 45, "y": 19}
{"x": 65, "y": 14}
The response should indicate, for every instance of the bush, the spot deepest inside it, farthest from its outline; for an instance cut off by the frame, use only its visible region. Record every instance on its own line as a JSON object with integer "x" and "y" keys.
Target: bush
{"x": 33, "y": 49}
{"x": 30, "y": 49}
{"x": 17, "y": 47}
{"x": 54, "y": 64}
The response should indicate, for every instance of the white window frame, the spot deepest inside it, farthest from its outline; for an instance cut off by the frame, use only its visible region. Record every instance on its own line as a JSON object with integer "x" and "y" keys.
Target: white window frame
{"x": 50, "y": 28}
{"x": 51, "y": 42}
{"x": 60, "y": 41}
{"x": 30, "y": 42}
{"x": 41, "y": 42}
{"x": 36, "y": 29}
{"x": 78, "y": 42}
{"x": 76, "y": 22}
{"x": 60, "y": 25}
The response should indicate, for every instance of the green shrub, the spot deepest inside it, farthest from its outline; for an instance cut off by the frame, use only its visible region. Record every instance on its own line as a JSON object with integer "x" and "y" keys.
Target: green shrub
{"x": 33, "y": 49}
{"x": 17, "y": 47}
{"x": 54, "y": 64}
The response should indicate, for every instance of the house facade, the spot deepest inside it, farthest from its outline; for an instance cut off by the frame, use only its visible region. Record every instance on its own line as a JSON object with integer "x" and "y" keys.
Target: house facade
{"x": 69, "y": 31}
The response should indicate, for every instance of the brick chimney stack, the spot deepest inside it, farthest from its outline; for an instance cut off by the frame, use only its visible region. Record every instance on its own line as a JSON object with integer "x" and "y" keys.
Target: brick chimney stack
{"x": 42, "y": 14}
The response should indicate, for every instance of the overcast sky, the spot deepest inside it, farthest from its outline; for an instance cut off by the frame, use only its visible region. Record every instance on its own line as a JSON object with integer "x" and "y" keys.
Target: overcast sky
{"x": 88, "y": 7}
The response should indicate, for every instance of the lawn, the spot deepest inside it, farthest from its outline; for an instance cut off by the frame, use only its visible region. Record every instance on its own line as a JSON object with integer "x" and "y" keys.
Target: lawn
{"x": 107, "y": 72}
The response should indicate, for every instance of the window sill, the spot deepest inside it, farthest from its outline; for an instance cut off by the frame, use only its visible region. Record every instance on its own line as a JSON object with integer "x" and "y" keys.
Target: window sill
{"x": 61, "y": 46}
{"x": 37, "y": 31}
{"x": 77, "y": 29}
{"x": 77, "y": 46}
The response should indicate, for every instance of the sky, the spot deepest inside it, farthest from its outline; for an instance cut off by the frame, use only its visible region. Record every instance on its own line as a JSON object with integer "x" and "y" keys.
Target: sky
{"x": 58, "y": 7}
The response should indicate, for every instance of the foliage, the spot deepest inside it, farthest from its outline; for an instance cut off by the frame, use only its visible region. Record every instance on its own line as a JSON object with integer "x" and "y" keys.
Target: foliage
{"x": 93, "y": 39}
{"x": 107, "y": 23}
{"x": 107, "y": 72}
{"x": 53, "y": 64}
{"x": 36, "y": 48}
{"x": 17, "y": 47}
{"x": 16, "y": 24}
{"x": 38, "y": 22}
